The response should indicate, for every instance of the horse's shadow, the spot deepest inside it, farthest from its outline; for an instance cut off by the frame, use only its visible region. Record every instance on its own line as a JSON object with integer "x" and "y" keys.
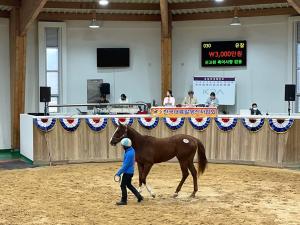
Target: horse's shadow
{"x": 168, "y": 198}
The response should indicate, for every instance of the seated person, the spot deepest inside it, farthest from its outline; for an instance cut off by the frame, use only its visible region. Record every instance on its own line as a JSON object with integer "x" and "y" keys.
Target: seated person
{"x": 212, "y": 101}
{"x": 254, "y": 110}
{"x": 103, "y": 99}
{"x": 169, "y": 100}
{"x": 190, "y": 100}
{"x": 123, "y": 99}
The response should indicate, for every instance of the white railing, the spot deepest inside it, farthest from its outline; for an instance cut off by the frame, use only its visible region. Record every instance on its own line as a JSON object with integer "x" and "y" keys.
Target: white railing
{"x": 282, "y": 116}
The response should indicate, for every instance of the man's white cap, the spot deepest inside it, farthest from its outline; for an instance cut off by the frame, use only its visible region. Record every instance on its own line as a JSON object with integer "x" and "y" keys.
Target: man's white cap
{"x": 126, "y": 142}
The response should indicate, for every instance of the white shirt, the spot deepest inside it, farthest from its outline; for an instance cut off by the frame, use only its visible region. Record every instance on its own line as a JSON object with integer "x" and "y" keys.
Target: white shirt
{"x": 189, "y": 101}
{"x": 169, "y": 101}
{"x": 212, "y": 102}
{"x": 123, "y": 101}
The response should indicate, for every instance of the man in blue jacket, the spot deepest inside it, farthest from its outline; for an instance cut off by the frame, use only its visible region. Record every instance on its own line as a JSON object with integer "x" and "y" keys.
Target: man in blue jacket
{"x": 127, "y": 170}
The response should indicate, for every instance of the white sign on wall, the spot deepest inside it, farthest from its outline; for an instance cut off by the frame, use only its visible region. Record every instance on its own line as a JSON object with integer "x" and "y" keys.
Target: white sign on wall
{"x": 224, "y": 88}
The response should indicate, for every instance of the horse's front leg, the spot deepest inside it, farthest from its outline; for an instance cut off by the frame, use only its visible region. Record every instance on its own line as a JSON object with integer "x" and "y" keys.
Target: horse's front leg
{"x": 146, "y": 170}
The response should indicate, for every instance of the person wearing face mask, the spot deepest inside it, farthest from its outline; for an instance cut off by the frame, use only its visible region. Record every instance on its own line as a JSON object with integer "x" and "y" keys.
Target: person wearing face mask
{"x": 254, "y": 110}
{"x": 169, "y": 100}
{"x": 212, "y": 101}
{"x": 123, "y": 99}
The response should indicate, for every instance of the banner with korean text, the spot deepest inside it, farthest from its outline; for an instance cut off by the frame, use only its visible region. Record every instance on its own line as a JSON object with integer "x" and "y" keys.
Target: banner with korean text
{"x": 184, "y": 112}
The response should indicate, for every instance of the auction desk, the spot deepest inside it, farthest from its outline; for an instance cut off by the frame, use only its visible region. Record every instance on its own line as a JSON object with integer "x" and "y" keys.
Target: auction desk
{"x": 266, "y": 141}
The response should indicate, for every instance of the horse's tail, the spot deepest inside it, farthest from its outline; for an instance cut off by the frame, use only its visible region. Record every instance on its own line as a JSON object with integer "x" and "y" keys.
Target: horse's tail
{"x": 202, "y": 160}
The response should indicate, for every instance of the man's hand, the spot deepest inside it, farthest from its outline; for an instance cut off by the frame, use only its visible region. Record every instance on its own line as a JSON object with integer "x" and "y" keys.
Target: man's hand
{"x": 117, "y": 178}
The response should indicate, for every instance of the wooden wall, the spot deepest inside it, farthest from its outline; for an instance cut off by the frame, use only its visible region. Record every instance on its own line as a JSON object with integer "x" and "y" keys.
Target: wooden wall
{"x": 265, "y": 147}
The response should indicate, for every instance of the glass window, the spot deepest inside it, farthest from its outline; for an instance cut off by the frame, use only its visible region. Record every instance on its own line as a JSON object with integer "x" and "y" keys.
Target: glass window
{"x": 52, "y": 65}
{"x": 54, "y": 101}
{"x": 52, "y": 59}
{"x": 297, "y": 55}
{"x": 52, "y": 81}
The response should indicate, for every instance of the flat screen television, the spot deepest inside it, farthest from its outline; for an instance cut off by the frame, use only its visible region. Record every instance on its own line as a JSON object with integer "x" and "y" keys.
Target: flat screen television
{"x": 113, "y": 57}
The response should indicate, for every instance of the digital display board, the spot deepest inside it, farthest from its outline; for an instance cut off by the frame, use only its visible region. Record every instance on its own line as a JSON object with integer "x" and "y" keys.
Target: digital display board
{"x": 224, "y": 53}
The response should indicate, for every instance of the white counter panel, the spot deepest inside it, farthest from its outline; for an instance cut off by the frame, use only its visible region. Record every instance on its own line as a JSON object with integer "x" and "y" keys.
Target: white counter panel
{"x": 26, "y": 136}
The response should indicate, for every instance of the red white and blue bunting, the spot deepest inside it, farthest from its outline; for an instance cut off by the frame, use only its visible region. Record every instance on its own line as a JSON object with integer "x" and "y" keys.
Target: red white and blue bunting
{"x": 174, "y": 123}
{"x": 200, "y": 123}
{"x": 281, "y": 125}
{"x": 70, "y": 124}
{"x": 124, "y": 121}
{"x": 148, "y": 122}
{"x": 44, "y": 124}
{"x": 226, "y": 124}
{"x": 253, "y": 125}
{"x": 96, "y": 124}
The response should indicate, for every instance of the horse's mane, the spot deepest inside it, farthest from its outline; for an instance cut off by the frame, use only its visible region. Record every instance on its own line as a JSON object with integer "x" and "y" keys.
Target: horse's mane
{"x": 147, "y": 137}
{"x": 134, "y": 132}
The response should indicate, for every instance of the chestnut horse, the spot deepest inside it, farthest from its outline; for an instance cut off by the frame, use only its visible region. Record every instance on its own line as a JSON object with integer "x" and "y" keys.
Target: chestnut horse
{"x": 150, "y": 150}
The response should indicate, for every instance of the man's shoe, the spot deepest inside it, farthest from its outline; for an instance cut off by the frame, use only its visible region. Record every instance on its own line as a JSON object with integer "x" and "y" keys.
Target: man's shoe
{"x": 121, "y": 203}
{"x": 140, "y": 199}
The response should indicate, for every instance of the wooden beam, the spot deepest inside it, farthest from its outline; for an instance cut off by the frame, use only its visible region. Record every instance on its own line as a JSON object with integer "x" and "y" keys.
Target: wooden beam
{"x": 29, "y": 11}
{"x": 95, "y": 5}
{"x": 13, "y": 3}
{"x": 227, "y": 3}
{"x": 295, "y": 4}
{"x": 17, "y": 75}
{"x": 229, "y": 14}
{"x": 166, "y": 66}
{"x": 4, "y": 14}
{"x": 155, "y": 6}
{"x": 165, "y": 20}
{"x": 166, "y": 47}
{"x": 86, "y": 16}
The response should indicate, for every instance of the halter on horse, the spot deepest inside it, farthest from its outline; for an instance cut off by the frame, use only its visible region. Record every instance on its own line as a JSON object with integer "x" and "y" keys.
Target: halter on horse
{"x": 150, "y": 150}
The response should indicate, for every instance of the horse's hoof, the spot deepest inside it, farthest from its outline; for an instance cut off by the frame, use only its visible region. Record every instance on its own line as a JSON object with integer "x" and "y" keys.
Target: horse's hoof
{"x": 193, "y": 195}
{"x": 175, "y": 195}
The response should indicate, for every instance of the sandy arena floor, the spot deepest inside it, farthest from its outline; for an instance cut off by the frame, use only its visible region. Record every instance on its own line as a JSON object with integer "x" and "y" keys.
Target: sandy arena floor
{"x": 86, "y": 194}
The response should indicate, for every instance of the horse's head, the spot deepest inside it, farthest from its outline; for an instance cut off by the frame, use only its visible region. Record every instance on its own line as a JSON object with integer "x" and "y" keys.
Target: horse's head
{"x": 119, "y": 134}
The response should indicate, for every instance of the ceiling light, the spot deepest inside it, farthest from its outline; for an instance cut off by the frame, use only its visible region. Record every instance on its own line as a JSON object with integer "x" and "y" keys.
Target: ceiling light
{"x": 235, "y": 20}
{"x": 103, "y": 2}
{"x": 219, "y": 0}
{"x": 94, "y": 24}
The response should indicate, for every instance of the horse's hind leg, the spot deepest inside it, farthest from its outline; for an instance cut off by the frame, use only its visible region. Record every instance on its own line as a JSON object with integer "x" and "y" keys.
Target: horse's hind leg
{"x": 185, "y": 174}
{"x": 146, "y": 170}
{"x": 194, "y": 174}
{"x": 140, "y": 169}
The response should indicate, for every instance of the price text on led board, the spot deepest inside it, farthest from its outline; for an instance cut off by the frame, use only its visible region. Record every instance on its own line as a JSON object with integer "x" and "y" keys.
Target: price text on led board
{"x": 224, "y": 53}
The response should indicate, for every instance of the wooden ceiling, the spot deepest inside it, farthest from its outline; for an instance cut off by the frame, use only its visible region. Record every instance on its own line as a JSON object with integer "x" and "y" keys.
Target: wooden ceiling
{"x": 149, "y": 10}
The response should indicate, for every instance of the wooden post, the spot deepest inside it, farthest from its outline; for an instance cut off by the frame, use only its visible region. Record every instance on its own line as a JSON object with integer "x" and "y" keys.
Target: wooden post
{"x": 166, "y": 48}
{"x": 17, "y": 75}
{"x": 21, "y": 17}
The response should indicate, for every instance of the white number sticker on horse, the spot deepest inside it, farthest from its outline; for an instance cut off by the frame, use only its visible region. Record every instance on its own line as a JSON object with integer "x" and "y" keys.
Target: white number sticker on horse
{"x": 186, "y": 141}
